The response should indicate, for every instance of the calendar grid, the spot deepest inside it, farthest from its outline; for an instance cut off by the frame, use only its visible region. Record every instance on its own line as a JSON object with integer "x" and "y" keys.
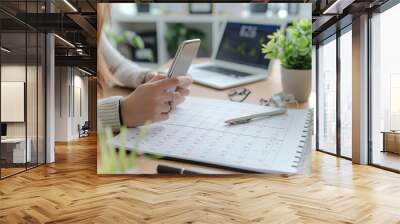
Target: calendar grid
{"x": 196, "y": 131}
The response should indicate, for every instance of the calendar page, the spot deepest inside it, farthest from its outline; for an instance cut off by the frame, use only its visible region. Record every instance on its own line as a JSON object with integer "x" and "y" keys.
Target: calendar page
{"x": 196, "y": 131}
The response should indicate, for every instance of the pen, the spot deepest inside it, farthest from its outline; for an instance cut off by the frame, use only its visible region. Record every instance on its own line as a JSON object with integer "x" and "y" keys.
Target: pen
{"x": 248, "y": 118}
{"x": 162, "y": 169}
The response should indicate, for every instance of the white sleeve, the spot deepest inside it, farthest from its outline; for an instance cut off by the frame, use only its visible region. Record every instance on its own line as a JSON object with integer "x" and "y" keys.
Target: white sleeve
{"x": 128, "y": 73}
{"x": 108, "y": 113}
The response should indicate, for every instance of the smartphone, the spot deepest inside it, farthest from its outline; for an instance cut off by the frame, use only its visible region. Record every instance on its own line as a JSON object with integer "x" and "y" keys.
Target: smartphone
{"x": 184, "y": 56}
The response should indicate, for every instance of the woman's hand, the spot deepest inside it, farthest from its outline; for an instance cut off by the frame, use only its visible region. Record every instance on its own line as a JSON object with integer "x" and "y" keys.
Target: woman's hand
{"x": 150, "y": 101}
{"x": 183, "y": 88}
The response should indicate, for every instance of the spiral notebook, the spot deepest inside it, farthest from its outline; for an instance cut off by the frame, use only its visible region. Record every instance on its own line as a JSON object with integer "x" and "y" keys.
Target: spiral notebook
{"x": 196, "y": 132}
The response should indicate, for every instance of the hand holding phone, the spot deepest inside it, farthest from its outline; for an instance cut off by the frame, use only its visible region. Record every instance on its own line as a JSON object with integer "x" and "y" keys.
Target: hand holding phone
{"x": 184, "y": 56}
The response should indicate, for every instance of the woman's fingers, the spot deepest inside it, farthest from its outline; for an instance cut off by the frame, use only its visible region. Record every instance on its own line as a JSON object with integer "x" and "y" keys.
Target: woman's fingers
{"x": 175, "y": 98}
{"x": 178, "y": 100}
{"x": 164, "y": 107}
{"x": 171, "y": 98}
{"x": 185, "y": 81}
{"x": 183, "y": 91}
{"x": 168, "y": 96}
{"x": 165, "y": 84}
{"x": 173, "y": 107}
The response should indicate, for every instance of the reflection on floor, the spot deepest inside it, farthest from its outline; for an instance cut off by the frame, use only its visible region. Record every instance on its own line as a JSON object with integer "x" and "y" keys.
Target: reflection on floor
{"x": 346, "y": 152}
{"x": 11, "y": 169}
{"x": 386, "y": 159}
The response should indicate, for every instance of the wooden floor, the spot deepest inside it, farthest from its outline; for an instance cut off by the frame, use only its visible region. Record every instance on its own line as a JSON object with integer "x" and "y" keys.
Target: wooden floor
{"x": 10, "y": 171}
{"x": 69, "y": 191}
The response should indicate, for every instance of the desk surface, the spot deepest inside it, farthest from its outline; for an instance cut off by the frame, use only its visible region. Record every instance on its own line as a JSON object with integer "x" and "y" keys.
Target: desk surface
{"x": 262, "y": 89}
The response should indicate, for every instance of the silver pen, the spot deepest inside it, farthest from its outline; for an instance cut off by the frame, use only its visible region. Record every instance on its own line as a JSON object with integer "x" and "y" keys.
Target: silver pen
{"x": 248, "y": 118}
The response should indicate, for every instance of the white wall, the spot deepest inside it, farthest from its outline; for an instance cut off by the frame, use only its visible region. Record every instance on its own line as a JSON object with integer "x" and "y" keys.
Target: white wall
{"x": 61, "y": 103}
{"x": 12, "y": 73}
{"x": 79, "y": 117}
{"x": 69, "y": 85}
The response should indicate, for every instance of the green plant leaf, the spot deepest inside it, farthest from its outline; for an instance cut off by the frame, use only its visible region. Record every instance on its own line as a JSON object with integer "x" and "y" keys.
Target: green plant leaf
{"x": 137, "y": 42}
{"x": 292, "y": 46}
{"x": 113, "y": 161}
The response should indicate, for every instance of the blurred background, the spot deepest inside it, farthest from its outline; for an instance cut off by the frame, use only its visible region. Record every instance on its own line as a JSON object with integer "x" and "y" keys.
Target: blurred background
{"x": 148, "y": 33}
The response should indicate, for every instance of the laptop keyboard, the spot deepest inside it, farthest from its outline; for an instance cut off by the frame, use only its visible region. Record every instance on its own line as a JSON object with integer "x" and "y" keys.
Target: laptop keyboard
{"x": 225, "y": 71}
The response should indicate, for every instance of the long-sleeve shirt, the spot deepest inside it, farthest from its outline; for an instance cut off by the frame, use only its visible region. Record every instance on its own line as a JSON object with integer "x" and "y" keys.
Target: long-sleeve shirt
{"x": 128, "y": 74}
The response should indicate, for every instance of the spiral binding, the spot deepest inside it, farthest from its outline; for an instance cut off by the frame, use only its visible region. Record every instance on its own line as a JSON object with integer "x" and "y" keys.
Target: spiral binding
{"x": 305, "y": 139}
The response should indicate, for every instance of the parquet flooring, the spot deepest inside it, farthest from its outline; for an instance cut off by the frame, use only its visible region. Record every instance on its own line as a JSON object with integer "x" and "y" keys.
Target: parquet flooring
{"x": 70, "y": 191}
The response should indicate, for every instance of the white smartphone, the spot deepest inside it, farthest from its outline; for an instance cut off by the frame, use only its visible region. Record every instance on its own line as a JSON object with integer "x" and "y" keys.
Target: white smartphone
{"x": 184, "y": 56}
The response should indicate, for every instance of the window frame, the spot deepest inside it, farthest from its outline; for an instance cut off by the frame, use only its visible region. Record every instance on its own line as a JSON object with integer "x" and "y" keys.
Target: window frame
{"x": 379, "y": 10}
{"x": 27, "y": 29}
{"x": 333, "y": 37}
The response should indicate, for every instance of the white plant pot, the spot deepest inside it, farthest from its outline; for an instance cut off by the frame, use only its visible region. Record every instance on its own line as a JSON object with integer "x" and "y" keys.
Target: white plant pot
{"x": 296, "y": 82}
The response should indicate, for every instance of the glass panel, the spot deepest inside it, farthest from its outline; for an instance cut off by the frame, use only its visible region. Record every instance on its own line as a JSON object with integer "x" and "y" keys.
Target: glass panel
{"x": 346, "y": 94}
{"x": 327, "y": 97}
{"x": 31, "y": 98}
{"x": 13, "y": 80}
{"x": 23, "y": 90}
{"x": 41, "y": 99}
{"x": 313, "y": 92}
{"x": 385, "y": 85}
{"x": 32, "y": 88}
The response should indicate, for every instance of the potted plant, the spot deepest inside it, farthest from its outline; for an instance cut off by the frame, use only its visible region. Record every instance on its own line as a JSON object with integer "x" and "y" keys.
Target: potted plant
{"x": 292, "y": 46}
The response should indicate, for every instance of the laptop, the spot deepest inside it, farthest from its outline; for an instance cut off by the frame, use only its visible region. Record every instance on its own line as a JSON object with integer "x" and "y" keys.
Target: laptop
{"x": 238, "y": 58}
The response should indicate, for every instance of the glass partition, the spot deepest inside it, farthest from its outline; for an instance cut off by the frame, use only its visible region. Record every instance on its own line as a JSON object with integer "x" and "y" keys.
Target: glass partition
{"x": 346, "y": 93}
{"x": 22, "y": 77}
{"x": 327, "y": 96}
{"x": 14, "y": 153}
{"x": 32, "y": 98}
{"x": 385, "y": 89}
{"x": 41, "y": 97}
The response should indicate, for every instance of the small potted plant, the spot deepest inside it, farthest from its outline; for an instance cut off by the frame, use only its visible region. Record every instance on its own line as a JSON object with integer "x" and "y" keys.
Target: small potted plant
{"x": 292, "y": 46}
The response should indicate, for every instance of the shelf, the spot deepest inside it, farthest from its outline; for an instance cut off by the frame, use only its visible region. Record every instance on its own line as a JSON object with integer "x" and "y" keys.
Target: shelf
{"x": 195, "y": 18}
{"x": 210, "y": 24}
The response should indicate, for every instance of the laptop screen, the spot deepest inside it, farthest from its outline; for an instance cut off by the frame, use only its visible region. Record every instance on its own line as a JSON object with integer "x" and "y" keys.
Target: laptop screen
{"x": 241, "y": 44}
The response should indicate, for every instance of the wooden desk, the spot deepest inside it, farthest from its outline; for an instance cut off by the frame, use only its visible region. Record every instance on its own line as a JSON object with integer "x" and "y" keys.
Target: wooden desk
{"x": 261, "y": 89}
{"x": 391, "y": 141}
